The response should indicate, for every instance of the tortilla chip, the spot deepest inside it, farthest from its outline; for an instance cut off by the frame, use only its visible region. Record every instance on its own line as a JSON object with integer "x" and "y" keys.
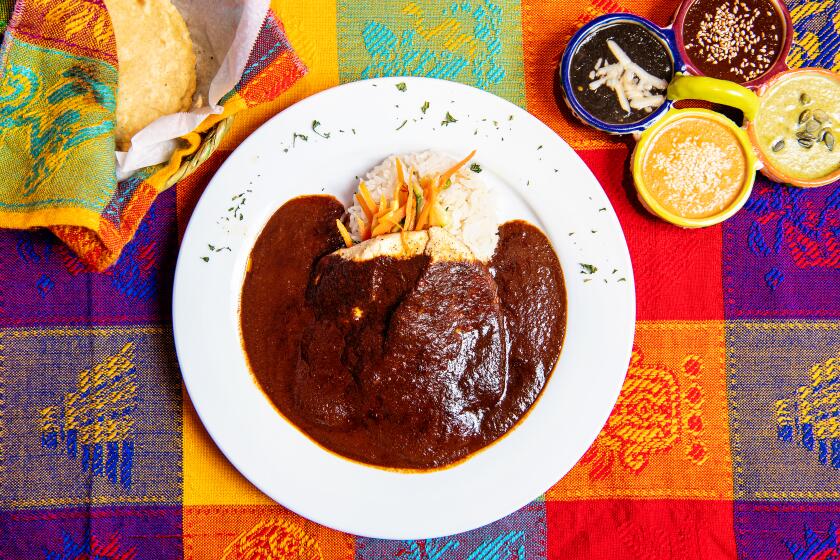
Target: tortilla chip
{"x": 156, "y": 64}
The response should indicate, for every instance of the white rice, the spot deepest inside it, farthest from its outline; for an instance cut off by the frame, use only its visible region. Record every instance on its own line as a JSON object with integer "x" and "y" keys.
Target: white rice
{"x": 469, "y": 204}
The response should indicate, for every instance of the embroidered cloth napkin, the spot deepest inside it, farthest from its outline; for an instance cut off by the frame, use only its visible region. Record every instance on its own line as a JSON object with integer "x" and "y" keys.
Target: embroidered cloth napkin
{"x": 58, "y": 79}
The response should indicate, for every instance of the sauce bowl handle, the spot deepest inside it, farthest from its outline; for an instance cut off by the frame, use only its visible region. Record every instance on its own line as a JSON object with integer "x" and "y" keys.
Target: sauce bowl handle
{"x": 716, "y": 91}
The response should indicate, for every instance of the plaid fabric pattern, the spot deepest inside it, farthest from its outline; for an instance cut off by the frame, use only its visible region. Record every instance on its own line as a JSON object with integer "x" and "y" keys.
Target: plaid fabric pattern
{"x": 724, "y": 442}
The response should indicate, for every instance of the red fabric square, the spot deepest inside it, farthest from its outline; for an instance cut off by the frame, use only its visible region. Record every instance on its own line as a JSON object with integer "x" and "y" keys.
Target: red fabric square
{"x": 677, "y": 270}
{"x": 633, "y": 529}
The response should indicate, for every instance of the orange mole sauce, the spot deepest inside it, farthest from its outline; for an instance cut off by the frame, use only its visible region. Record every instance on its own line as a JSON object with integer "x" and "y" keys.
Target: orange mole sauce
{"x": 401, "y": 363}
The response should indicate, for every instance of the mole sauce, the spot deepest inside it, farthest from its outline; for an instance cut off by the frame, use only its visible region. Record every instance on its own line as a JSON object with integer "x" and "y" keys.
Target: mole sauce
{"x": 737, "y": 40}
{"x": 403, "y": 363}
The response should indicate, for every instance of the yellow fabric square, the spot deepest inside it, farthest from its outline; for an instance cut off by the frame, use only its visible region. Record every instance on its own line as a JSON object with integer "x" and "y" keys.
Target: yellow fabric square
{"x": 209, "y": 478}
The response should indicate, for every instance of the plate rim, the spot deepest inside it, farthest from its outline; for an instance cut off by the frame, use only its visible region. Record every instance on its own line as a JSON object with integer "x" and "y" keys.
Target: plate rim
{"x": 178, "y": 335}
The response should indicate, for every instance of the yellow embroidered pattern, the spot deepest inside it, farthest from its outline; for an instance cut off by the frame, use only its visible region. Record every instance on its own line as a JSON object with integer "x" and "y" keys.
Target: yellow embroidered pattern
{"x": 812, "y": 415}
{"x": 98, "y": 418}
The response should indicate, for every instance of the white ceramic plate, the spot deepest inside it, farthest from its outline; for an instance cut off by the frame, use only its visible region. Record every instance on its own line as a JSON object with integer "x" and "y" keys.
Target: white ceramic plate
{"x": 538, "y": 178}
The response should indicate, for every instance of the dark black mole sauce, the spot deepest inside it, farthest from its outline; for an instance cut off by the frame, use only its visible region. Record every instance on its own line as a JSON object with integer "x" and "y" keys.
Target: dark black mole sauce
{"x": 402, "y": 363}
{"x": 643, "y": 48}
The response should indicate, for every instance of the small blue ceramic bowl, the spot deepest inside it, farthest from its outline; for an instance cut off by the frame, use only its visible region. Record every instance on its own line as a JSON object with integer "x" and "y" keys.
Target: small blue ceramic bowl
{"x": 666, "y": 37}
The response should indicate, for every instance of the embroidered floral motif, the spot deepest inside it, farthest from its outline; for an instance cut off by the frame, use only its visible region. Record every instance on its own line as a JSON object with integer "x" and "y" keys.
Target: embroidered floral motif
{"x": 652, "y": 414}
{"x": 97, "y": 419}
{"x": 465, "y": 38}
{"x": 816, "y": 547}
{"x": 274, "y": 539}
{"x": 811, "y": 416}
{"x": 91, "y": 548}
{"x": 786, "y": 219}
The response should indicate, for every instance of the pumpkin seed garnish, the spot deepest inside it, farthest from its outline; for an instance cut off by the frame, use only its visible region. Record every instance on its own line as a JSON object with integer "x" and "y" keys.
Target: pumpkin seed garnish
{"x": 804, "y": 116}
{"x": 779, "y": 146}
{"x": 805, "y": 135}
{"x": 804, "y": 99}
{"x": 806, "y": 143}
{"x": 828, "y": 138}
{"x": 820, "y": 116}
{"x": 812, "y": 125}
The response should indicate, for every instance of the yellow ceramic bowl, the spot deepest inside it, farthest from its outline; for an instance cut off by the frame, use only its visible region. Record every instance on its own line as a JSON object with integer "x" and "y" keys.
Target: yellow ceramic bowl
{"x": 758, "y": 105}
{"x": 650, "y": 201}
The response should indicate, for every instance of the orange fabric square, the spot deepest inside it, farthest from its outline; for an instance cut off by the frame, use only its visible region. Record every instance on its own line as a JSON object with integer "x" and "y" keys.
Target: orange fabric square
{"x": 252, "y": 532}
{"x": 668, "y": 435}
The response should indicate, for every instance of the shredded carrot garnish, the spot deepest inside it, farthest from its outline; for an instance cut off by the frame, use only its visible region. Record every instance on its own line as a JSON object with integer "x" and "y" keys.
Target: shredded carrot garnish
{"x": 364, "y": 230}
{"x": 367, "y": 198}
{"x": 410, "y": 209}
{"x": 422, "y": 219}
{"x": 365, "y": 209}
{"x": 345, "y": 235}
{"x": 384, "y": 227}
{"x": 414, "y": 205}
{"x": 393, "y": 216}
{"x": 400, "y": 180}
{"x": 454, "y": 169}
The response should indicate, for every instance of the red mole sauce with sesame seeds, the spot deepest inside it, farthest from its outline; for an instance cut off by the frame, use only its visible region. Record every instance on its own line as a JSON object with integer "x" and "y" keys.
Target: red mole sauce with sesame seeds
{"x": 399, "y": 362}
{"x": 737, "y": 40}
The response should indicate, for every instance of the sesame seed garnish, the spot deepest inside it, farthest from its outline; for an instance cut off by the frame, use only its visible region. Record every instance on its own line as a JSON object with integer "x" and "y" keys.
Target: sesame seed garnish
{"x": 733, "y": 35}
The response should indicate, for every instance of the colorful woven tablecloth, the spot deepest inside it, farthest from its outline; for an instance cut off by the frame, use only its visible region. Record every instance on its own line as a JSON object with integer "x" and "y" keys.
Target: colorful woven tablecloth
{"x": 725, "y": 441}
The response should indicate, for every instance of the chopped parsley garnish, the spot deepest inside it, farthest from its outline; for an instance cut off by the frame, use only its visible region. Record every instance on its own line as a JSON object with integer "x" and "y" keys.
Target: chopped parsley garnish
{"x": 602, "y": 209}
{"x": 475, "y": 168}
{"x": 540, "y": 147}
{"x": 297, "y": 135}
{"x": 205, "y": 259}
{"x": 510, "y": 117}
{"x": 448, "y": 120}
{"x": 315, "y": 125}
{"x": 403, "y": 124}
{"x": 401, "y": 86}
{"x": 588, "y": 268}
{"x": 424, "y": 107}
{"x": 622, "y": 279}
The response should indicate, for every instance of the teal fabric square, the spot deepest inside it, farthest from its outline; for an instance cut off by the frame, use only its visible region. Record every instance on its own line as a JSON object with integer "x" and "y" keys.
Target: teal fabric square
{"x": 475, "y": 42}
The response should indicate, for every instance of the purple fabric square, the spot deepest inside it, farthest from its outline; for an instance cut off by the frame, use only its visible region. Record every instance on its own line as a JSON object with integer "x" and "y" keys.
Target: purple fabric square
{"x": 125, "y": 533}
{"x": 782, "y": 254}
{"x": 795, "y": 531}
{"x": 43, "y": 283}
